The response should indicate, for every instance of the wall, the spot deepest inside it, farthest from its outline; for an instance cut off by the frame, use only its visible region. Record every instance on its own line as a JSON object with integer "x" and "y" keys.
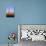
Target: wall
{"x": 31, "y": 11}
{"x": 26, "y": 12}
{"x": 7, "y": 25}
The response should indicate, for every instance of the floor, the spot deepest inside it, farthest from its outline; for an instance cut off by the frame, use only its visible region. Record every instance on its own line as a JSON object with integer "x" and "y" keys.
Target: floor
{"x": 7, "y": 45}
{"x": 30, "y": 43}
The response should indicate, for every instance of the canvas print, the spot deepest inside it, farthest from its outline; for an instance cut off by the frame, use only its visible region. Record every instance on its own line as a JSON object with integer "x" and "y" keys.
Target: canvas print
{"x": 10, "y": 12}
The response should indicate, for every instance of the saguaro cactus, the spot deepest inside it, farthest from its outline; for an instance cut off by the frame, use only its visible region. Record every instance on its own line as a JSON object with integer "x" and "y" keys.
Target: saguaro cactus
{"x": 11, "y": 37}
